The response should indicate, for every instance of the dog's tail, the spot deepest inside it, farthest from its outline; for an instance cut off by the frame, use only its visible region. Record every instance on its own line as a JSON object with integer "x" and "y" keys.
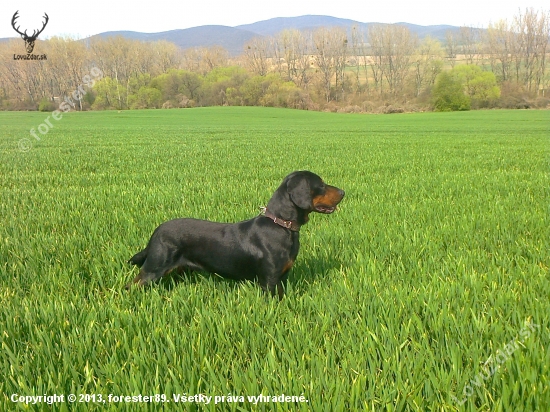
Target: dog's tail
{"x": 138, "y": 258}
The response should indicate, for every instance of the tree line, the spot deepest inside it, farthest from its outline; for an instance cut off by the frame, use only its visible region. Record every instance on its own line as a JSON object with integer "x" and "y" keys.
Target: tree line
{"x": 382, "y": 68}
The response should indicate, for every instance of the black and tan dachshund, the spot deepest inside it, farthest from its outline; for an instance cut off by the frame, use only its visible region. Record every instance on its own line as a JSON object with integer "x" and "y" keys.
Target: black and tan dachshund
{"x": 262, "y": 249}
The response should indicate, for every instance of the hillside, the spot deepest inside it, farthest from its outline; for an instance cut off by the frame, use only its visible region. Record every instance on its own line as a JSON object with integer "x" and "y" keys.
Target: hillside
{"x": 233, "y": 39}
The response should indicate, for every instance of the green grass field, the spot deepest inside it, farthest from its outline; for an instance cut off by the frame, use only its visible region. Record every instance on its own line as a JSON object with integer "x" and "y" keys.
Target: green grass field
{"x": 435, "y": 264}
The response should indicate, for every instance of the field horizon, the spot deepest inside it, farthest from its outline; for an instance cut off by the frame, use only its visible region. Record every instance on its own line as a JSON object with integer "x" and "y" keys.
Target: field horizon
{"x": 426, "y": 290}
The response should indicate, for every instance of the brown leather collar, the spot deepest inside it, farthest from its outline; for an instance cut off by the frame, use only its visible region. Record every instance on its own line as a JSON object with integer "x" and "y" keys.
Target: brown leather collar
{"x": 287, "y": 224}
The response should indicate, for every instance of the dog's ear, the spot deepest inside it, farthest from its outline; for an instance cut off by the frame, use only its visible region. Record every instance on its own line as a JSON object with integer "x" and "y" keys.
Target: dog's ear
{"x": 298, "y": 189}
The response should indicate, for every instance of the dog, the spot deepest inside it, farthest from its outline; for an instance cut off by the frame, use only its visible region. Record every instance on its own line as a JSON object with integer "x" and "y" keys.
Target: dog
{"x": 262, "y": 249}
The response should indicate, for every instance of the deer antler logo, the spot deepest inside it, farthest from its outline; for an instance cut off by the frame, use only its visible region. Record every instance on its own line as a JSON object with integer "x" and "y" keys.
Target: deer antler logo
{"x": 29, "y": 40}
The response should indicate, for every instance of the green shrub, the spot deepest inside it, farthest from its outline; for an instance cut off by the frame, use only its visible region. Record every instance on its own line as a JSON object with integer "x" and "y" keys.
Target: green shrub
{"x": 479, "y": 85}
{"x": 448, "y": 94}
{"x": 146, "y": 98}
{"x": 46, "y": 105}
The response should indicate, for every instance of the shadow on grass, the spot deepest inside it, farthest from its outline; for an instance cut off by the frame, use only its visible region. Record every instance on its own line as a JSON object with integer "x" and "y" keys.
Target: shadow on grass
{"x": 309, "y": 270}
{"x": 184, "y": 276}
{"x": 305, "y": 272}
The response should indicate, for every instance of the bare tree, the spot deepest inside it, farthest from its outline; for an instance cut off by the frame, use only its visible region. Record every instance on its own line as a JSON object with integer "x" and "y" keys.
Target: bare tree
{"x": 26, "y": 78}
{"x": 167, "y": 56}
{"x": 451, "y": 46}
{"x": 340, "y": 60}
{"x": 427, "y": 63}
{"x": 256, "y": 55}
{"x": 66, "y": 67}
{"x": 204, "y": 59}
{"x": 500, "y": 41}
{"x": 215, "y": 56}
{"x": 518, "y": 50}
{"x": 358, "y": 49}
{"x": 291, "y": 56}
{"x": 392, "y": 48}
{"x": 191, "y": 60}
{"x": 330, "y": 57}
{"x": 301, "y": 66}
{"x": 470, "y": 44}
{"x": 115, "y": 59}
{"x": 533, "y": 30}
{"x": 9, "y": 70}
{"x": 375, "y": 36}
{"x": 146, "y": 59}
{"x": 32, "y": 78}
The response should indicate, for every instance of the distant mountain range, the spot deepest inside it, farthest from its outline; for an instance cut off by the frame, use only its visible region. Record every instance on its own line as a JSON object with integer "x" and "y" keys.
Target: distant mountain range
{"x": 233, "y": 39}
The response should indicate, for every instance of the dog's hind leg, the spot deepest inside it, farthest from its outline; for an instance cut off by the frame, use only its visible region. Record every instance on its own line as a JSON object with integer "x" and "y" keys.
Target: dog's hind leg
{"x": 156, "y": 260}
{"x": 143, "y": 278}
{"x": 139, "y": 258}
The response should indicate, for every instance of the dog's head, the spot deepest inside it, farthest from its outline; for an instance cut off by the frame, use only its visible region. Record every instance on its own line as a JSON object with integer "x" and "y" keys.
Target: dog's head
{"x": 308, "y": 192}
{"x": 303, "y": 192}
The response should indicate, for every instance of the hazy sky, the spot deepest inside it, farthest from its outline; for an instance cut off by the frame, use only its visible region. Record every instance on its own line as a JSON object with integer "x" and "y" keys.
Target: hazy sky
{"x": 83, "y": 18}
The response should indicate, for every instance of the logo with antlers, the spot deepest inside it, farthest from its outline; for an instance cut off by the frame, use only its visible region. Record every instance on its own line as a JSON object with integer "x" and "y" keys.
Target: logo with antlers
{"x": 29, "y": 40}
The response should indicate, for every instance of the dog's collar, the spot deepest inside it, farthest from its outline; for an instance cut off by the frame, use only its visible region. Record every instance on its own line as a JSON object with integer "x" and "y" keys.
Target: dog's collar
{"x": 287, "y": 224}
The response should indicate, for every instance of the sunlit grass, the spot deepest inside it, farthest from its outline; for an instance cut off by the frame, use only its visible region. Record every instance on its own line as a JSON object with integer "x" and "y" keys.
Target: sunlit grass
{"x": 437, "y": 257}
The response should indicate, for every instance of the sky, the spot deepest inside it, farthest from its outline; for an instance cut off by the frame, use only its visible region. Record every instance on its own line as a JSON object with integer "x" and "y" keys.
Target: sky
{"x": 81, "y": 18}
